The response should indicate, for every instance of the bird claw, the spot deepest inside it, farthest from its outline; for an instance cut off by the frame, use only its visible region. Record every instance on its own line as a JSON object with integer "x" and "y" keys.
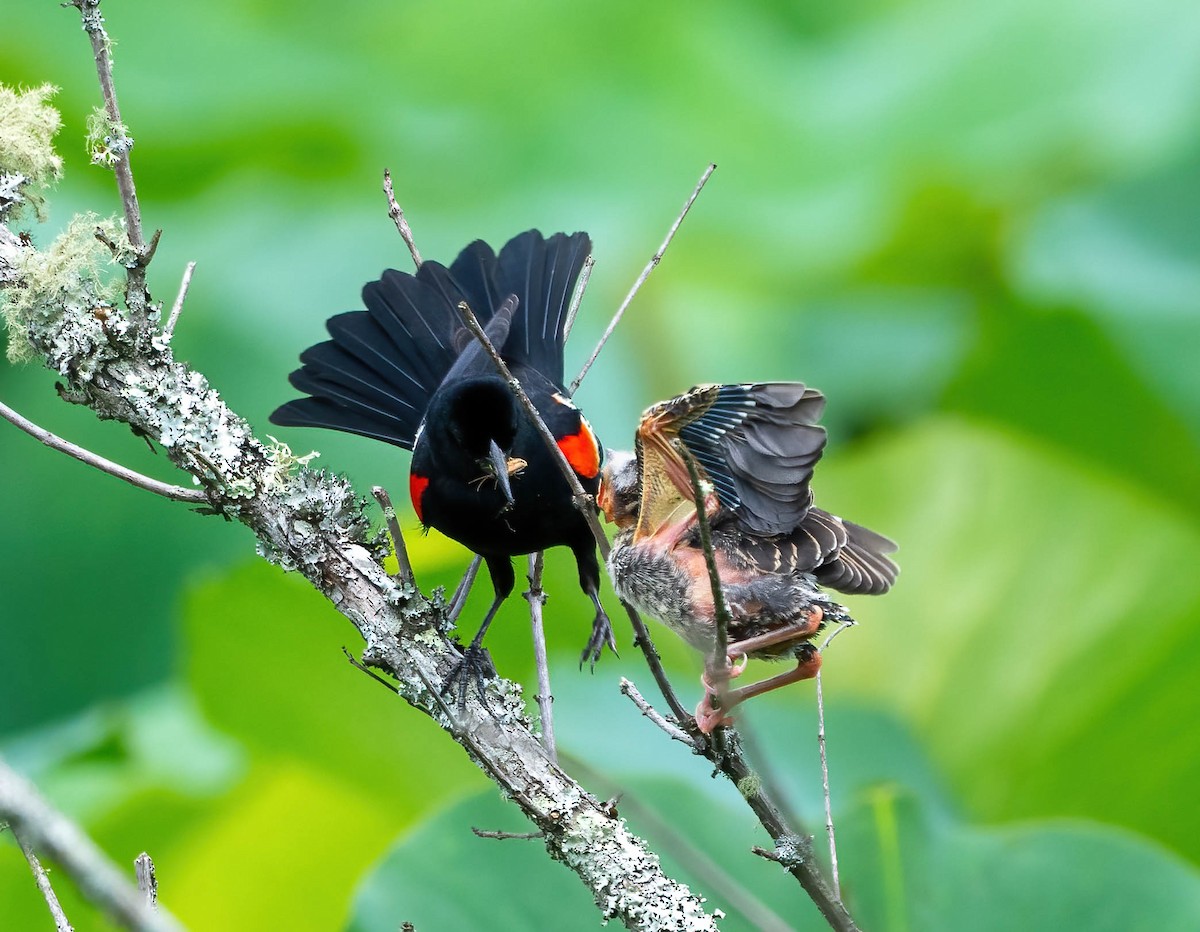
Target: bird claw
{"x": 602, "y": 634}
{"x": 733, "y": 669}
{"x": 709, "y": 718}
{"x": 474, "y": 668}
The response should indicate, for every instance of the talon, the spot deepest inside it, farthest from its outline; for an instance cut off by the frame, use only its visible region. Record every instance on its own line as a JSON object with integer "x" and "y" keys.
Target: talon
{"x": 475, "y": 668}
{"x": 708, "y": 718}
{"x": 602, "y": 634}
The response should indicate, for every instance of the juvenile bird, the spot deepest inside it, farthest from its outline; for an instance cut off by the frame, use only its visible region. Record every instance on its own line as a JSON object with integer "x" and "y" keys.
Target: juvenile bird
{"x": 408, "y": 372}
{"x": 754, "y": 446}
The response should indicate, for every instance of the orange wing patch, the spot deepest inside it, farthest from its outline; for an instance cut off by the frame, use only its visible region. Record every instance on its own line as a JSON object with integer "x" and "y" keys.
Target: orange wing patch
{"x": 582, "y": 451}
{"x": 416, "y": 488}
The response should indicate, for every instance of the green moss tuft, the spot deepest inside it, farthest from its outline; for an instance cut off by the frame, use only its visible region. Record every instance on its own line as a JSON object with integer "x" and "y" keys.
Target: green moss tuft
{"x": 69, "y": 278}
{"x": 106, "y": 141}
{"x": 28, "y": 162}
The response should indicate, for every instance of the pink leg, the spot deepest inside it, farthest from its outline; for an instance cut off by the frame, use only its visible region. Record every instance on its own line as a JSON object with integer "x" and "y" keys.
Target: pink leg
{"x": 799, "y": 631}
{"x": 709, "y": 717}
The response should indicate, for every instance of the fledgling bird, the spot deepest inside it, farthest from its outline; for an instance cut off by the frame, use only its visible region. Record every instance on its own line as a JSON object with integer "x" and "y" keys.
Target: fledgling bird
{"x": 755, "y": 446}
{"x": 408, "y": 372}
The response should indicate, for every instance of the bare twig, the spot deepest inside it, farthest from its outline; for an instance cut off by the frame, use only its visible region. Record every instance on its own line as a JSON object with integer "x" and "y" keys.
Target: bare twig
{"x": 54, "y": 836}
{"x": 404, "y": 567}
{"x": 463, "y": 589}
{"x": 642, "y": 638}
{"x": 363, "y": 668}
{"x": 585, "y": 275}
{"x": 397, "y": 216}
{"x": 720, "y": 609}
{"x": 673, "y": 731}
{"x": 43, "y": 883}
{"x": 545, "y": 700}
{"x": 147, "y": 879}
{"x": 505, "y": 836}
{"x": 641, "y": 280}
{"x": 177, "y": 307}
{"x": 173, "y": 492}
{"x": 833, "y": 860}
{"x": 93, "y": 25}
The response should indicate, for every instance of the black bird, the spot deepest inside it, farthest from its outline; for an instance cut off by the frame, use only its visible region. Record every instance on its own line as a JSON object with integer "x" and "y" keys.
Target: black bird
{"x": 756, "y": 445}
{"x": 408, "y": 372}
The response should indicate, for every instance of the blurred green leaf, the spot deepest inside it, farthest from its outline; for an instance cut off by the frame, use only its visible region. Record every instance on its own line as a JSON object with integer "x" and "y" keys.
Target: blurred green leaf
{"x": 1130, "y": 253}
{"x": 281, "y": 853}
{"x": 908, "y": 861}
{"x": 1041, "y": 630}
{"x": 265, "y": 660}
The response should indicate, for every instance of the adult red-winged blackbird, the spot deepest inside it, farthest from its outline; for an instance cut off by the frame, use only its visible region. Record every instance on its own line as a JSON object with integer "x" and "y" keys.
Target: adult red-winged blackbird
{"x": 406, "y": 371}
{"x": 756, "y": 444}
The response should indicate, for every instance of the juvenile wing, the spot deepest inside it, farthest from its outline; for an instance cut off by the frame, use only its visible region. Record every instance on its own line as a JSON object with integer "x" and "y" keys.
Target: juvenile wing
{"x": 757, "y": 443}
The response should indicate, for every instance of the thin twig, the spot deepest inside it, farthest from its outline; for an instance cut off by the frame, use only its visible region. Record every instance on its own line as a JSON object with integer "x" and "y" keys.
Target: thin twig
{"x": 459, "y": 599}
{"x": 174, "y": 492}
{"x": 147, "y": 878}
{"x": 404, "y": 570}
{"x": 58, "y": 838}
{"x": 545, "y": 700}
{"x": 720, "y": 608}
{"x": 641, "y": 280}
{"x": 833, "y": 860}
{"x": 672, "y": 731}
{"x": 646, "y": 645}
{"x": 363, "y": 668}
{"x": 177, "y": 307}
{"x": 505, "y": 836}
{"x": 585, "y": 275}
{"x": 43, "y": 883}
{"x": 93, "y": 25}
{"x": 397, "y": 216}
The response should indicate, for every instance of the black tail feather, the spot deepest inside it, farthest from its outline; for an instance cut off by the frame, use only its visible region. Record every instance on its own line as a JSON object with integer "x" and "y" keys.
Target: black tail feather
{"x": 541, "y": 273}
{"x": 377, "y": 374}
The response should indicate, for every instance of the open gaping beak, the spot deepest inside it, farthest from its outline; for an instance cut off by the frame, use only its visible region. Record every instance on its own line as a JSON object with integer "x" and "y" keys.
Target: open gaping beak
{"x": 499, "y": 464}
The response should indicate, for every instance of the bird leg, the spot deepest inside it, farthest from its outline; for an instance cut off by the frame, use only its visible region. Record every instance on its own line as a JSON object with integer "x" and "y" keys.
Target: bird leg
{"x": 710, "y": 714}
{"x": 602, "y": 634}
{"x": 476, "y": 663}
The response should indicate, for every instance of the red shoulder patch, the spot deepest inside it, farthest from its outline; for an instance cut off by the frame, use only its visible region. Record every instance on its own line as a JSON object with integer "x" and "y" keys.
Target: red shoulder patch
{"x": 582, "y": 451}
{"x": 416, "y": 488}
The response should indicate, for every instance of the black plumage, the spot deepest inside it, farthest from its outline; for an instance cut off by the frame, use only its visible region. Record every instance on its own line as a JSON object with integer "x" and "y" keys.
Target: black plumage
{"x": 406, "y": 371}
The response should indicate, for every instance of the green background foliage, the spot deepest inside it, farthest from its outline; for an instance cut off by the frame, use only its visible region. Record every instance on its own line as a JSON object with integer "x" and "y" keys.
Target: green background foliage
{"x": 971, "y": 225}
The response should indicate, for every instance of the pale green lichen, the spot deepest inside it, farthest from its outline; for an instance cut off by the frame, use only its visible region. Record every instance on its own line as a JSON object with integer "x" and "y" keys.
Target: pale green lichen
{"x": 283, "y": 462}
{"x": 321, "y": 506}
{"x": 107, "y": 140}
{"x": 68, "y": 282}
{"x": 28, "y": 162}
{"x": 626, "y": 878}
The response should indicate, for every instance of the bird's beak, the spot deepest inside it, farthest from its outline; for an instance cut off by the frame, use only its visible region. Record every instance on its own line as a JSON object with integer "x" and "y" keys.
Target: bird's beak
{"x": 499, "y": 463}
